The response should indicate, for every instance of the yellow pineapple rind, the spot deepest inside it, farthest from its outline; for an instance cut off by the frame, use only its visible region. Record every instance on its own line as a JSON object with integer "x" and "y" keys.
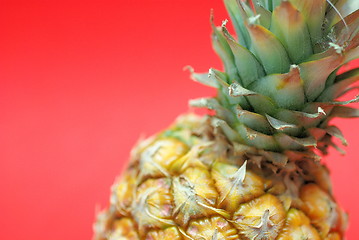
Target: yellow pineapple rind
{"x": 196, "y": 197}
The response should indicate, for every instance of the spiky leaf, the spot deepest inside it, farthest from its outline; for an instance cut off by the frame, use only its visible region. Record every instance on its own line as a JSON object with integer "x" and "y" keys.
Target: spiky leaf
{"x": 291, "y": 29}
{"x": 285, "y": 89}
{"x": 274, "y": 58}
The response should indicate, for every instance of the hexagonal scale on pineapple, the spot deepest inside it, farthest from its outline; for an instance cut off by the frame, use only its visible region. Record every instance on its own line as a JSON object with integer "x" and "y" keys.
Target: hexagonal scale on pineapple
{"x": 214, "y": 228}
{"x": 201, "y": 155}
{"x": 170, "y": 233}
{"x": 123, "y": 229}
{"x": 123, "y": 192}
{"x": 156, "y": 159}
{"x": 297, "y": 227}
{"x": 194, "y": 196}
{"x": 235, "y": 185}
{"x": 260, "y": 219}
{"x": 319, "y": 207}
{"x": 152, "y": 207}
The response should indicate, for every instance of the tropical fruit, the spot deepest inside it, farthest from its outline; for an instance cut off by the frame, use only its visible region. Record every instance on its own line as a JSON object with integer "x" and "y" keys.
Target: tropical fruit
{"x": 252, "y": 169}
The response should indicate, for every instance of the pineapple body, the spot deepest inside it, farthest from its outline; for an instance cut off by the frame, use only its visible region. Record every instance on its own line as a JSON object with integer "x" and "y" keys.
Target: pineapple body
{"x": 191, "y": 182}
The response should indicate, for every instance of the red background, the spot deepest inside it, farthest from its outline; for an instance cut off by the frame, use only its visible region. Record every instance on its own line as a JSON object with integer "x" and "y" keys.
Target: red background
{"x": 80, "y": 81}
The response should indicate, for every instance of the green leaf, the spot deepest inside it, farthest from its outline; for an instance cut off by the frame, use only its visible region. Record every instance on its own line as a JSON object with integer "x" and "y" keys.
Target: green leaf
{"x": 204, "y": 78}
{"x": 334, "y": 109}
{"x": 230, "y": 133}
{"x": 343, "y": 81}
{"x": 293, "y": 143}
{"x": 285, "y": 127}
{"x": 269, "y": 4}
{"x": 257, "y": 139}
{"x": 330, "y": 104}
{"x": 319, "y": 133}
{"x": 336, "y": 147}
{"x": 209, "y": 103}
{"x": 221, "y": 77}
{"x": 315, "y": 74}
{"x": 285, "y": 89}
{"x": 317, "y": 56}
{"x": 313, "y": 12}
{"x": 248, "y": 67}
{"x": 254, "y": 121}
{"x": 213, "y": 104}
{"x": 222, "y": 96}
{"x": 222, "y": 48}
{"x": 331, "y": 79}
{"x": 344, "y": 112}
{"x": 265, "y": 15}
{"x": 268, "y": 50}
{"x": 290, "y": 28}
{"x": 260, "y": 103}
{"x": 301, "y": 118}
{"x": 335, "y": 132}
{"x": 238, "y": 16}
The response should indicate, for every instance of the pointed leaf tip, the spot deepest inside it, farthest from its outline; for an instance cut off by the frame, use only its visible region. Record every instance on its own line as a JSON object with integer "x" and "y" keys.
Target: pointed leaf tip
{"x": 248, "y": 67}
{"x": 335, "y": 132}
{"x": 238, "y": 17}
{"x": 236, "y": 90}
{"x": 289, "y": 26}
{"x": 223, "y": 50}
{"x": 274, "y": 58}
{"x": 278, "y": 124}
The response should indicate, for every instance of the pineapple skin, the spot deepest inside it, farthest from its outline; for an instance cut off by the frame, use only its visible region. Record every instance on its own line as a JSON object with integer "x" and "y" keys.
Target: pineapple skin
{"x": 191, "y": 182}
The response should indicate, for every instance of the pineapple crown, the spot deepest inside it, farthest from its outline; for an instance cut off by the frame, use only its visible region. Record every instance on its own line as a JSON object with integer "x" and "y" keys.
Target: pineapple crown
{"x": 280, "y": 86}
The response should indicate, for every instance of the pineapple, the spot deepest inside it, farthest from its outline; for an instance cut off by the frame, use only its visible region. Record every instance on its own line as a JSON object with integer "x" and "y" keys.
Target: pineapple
{"x": 252, "y": 170}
